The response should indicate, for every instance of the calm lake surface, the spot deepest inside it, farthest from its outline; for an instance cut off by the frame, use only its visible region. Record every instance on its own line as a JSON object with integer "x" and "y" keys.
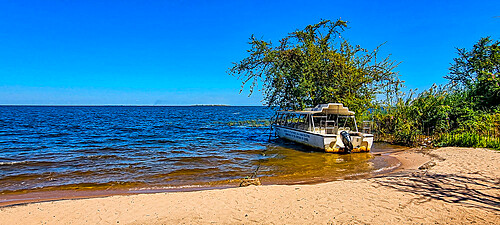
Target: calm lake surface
{"x": 153, "y": 148}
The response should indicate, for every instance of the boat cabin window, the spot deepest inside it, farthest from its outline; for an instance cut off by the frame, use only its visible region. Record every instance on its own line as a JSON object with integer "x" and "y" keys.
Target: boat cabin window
{"x": 296, "y": 121}
{"x": 317, "y": 122}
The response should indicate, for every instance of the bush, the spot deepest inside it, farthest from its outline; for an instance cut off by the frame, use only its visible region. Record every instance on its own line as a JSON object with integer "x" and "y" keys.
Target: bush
{"x": 466, "y": 112}
{"x": 468, "y": 139}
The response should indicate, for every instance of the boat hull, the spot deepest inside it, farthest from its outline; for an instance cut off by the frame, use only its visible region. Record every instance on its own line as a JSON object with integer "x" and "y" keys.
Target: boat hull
{"x": 326, "y": 142}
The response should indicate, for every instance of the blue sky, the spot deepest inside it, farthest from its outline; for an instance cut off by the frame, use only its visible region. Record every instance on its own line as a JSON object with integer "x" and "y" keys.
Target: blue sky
{"x": 178, "y": 52}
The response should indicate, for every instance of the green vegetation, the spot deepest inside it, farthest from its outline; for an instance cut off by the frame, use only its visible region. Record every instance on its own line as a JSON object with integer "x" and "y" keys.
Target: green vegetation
{"x": 314, "y": 66}
{"x": 468, "y": 139}
{"x": 465, "y": 112}
{"x": 477, "y": 73}
{"x": 249, "y": 123}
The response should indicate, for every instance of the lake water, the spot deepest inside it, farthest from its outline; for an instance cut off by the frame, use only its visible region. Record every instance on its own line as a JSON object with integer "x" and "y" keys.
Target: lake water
{"x": 157, "y": 148}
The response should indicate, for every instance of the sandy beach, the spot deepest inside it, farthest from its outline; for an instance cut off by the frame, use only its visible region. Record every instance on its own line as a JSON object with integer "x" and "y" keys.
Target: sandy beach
{"x": 443, "y": 186}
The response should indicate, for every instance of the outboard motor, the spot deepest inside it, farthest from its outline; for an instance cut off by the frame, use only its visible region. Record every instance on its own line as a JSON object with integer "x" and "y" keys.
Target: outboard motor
{"x": 346, "y": 139}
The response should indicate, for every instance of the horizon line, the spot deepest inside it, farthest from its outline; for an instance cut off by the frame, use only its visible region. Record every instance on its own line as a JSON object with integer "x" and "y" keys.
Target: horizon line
{"x": 214, "y": 105}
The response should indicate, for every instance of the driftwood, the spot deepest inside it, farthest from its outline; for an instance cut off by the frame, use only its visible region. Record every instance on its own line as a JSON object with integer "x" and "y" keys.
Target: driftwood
{"x": 427, "y": 165}
{"x": 250, "y": 181}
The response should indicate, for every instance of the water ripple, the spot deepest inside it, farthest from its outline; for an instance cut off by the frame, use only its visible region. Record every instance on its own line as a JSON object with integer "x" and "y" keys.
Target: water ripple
{"x": 47, "y": 148}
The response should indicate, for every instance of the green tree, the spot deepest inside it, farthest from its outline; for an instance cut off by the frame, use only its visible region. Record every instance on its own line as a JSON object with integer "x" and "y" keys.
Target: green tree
{"x": 313, "y": 66}
{"x": 464, "y": 112}
{"x": 477, "y": 73}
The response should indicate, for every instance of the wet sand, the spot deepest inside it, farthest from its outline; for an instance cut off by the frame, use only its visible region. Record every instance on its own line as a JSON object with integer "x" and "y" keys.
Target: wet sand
{"x": 453, "y": 185}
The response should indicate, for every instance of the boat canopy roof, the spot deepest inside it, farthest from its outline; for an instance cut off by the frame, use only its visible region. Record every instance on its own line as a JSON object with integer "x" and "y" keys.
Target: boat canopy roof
{"x": 330, "y": 108}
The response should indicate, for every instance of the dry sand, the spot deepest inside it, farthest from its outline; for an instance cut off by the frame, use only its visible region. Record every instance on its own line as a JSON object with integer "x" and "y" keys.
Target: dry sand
{"x": 457, "y": 186}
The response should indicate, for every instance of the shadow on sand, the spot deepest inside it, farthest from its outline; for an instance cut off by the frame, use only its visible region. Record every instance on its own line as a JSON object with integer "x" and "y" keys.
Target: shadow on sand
{"x": 473, "y": 191}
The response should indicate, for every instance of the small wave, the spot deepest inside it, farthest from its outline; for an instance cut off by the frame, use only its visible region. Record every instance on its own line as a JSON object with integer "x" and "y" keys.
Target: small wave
{"x": 174, "y": 127}
{"x": 194, "y": 159}
{"x": 384, "y": 169}
{"x": 377, "y": 171}
{"x": 101, "y": 157}
{"x": 167, "y": 141}
{"x": 186, "y": 172}
{"x": 27, "y": 176}
{"x": 178, "y": 150}
{"x": 14, "y": 163}
{"x": 103, "y": 149}
{"x": 157, "y": 141}
{"x": 126, "y": 129}
{"x": 27, "y": 162}
{"x": 89, "y": 142}
{"x": 116, "y": 139}
{"x": 51, "y": 135}
{"x": 167, "y": 187}
{"x": 246, "y": 151}
{"x": 75, "y": 127}
{"x": 6, "y": 134}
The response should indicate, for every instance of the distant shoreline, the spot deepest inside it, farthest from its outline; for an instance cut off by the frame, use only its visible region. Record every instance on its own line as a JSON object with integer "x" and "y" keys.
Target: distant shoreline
{"x": 209, "y": 105}
{"x": 203, "y": 105}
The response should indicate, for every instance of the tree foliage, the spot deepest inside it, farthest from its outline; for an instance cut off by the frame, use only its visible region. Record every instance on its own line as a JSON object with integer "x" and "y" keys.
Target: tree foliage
{"x": 464, "y": 112}
{"x": 477, "y": 72}
{"x": 313, "y": 66}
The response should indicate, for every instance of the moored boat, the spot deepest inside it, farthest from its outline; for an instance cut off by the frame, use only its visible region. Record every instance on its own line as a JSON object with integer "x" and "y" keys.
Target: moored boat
{"x": 326, "y": 126}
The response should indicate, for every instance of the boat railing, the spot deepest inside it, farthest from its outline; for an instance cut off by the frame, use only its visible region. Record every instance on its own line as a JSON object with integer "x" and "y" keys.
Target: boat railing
{"x": 332, "y": 130}
{"x": 316, "y": 123}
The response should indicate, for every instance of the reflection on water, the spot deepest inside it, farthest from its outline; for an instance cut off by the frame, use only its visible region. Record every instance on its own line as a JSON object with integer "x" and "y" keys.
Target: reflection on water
{"x": 141, "y": 148}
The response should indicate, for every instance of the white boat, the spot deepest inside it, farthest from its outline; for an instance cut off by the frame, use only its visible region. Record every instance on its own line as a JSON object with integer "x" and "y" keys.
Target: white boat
{"x": 326, "y": 126}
